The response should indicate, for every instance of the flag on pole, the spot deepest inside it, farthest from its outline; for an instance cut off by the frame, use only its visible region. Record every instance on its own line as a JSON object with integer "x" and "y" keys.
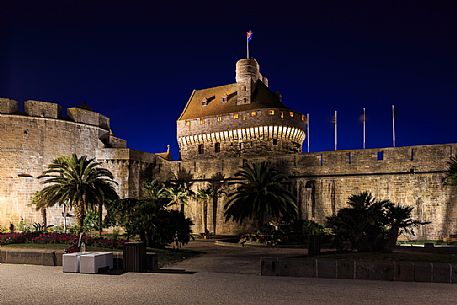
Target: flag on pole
{"x": 249, "y": 35}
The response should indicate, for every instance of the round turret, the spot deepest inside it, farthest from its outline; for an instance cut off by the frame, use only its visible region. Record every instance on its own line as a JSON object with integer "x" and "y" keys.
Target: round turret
{"x": 247, "y": 68}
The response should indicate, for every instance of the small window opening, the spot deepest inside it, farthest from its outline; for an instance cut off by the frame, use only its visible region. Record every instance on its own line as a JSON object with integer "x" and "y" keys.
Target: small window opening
{"x": 412, "y": 155}
{"x": 217, "y": 147}
{"x": 349, "y": 158}
{"x": 200, "y": 149}
{"x": 380, "y": 155}
{"x": 253, "y": 113}
{"x": 219, "y": 119}
{"x": 236, "y": 116}
{"x": 291, "y": 114}
{"x": 321, "y": 160}
{"x": 275, "y": 141}
{"x": 202, "y": 121}
{"x": 224, "y": 99}
{"x": 271, "y": 112}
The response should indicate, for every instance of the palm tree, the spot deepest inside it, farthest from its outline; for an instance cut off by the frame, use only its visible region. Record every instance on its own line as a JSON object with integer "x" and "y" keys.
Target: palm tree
{"x": 400, "y": 221}
{"x": 177, "y": 195}
{"x": 81, "y": 181}
{"x": 451, "y": 174}
{"x": 362, "y": 223}
{"x": 179, "y": 190}
{"x": 261, "y": 194}
{"x": 203, "y": 196}
{"x": 154, "y": 190}
{"x": 216, "y": 184}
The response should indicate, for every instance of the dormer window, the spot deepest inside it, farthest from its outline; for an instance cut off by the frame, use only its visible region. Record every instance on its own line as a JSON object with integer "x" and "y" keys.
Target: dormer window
{"x": 204, "y": 102}
{"x": 224, "y": 99}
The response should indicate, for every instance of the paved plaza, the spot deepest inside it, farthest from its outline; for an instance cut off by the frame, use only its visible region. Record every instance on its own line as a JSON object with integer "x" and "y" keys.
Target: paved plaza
{"x": 224, "y": 275}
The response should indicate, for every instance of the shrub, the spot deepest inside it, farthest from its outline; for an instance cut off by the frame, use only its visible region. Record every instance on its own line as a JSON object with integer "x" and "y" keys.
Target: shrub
{"x": 371, "y": 225}
{"x": 148, "y": 218}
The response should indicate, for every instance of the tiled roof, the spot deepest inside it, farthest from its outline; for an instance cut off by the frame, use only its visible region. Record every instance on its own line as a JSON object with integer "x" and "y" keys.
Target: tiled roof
{"x": 262, "y": 97}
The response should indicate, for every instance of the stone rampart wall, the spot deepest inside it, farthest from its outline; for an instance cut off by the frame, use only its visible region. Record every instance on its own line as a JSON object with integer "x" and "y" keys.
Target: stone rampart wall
{"x": 322, "y": 183}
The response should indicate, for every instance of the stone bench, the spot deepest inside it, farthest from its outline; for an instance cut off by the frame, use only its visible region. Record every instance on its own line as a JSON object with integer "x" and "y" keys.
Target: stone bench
{"x": 70, "y": 262}
{"x": 87, "y": 262}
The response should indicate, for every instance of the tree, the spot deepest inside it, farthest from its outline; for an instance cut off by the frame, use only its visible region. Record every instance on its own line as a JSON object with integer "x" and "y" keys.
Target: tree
{"x": 216, "y": 184}
{"x": 451, "y": 174}
{"x": 177, "y": 195}
{"x": 261, "y": 193}
{"x": 203, "y": 196}
{"x": 179, "y": 190}
{"x": 154, "y": 190}
{"x": 149, "y": 219}
{"x": 399, "y": 221}
{"x": 371, "y": 225}
{"x": 361, "y": 224}
{"x": 81, "y": 181}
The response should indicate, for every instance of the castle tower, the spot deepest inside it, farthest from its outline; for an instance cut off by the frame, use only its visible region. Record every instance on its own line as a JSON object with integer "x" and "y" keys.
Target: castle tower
{"x": 241, "y": 119}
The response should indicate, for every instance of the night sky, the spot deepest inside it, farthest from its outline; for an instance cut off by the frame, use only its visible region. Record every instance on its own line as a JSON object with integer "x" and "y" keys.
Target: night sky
{"x": 138, "y": 62}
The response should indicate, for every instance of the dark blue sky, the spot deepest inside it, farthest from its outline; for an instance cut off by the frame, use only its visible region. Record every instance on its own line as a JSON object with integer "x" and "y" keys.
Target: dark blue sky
{"x": 138, "y": 61}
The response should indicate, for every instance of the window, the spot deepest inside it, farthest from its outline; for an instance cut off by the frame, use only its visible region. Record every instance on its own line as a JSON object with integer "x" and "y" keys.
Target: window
{"x": 217, "y": 147}
{"x": 321, "y": 160}
{"x": 349, "y": 158}
{"x": 224, "y": 99}
{"x": 380, "y": 155}
{"x": 271, "y": 112}
{"x": 253, "y": 114}
{"x": 202, "y": 121}
{"x": 303, "y": 117}
{"x": 275, "y": 141}
{"x": 236, "y": 116}
{"x": 188, "y": 123}
{"x": 205, "y": 102}
{"x": 282, "y": 115}
{"x": 291, "y": 114}
{"x": 412, "y": 154}
{"x": 200, "y": 149}
{"x": 219, "y": 119}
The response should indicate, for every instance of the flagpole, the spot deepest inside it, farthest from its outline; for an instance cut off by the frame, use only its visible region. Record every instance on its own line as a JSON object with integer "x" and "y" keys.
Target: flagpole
{"x": 393, "y": 125}
{"x": 364, "y": 129}
{"x": 247, "y": 46}
{"x": 307, "y": 128}
{"x": 336, "y": 137}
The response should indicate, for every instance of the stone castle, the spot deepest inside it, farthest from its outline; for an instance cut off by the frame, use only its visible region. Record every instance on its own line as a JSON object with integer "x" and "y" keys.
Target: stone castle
{"x": 219, "y": 130}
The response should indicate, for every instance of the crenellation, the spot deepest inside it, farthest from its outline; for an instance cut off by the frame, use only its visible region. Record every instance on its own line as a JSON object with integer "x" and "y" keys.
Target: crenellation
{"x": 8, "y": 106}
{"x": 42, "y": 109}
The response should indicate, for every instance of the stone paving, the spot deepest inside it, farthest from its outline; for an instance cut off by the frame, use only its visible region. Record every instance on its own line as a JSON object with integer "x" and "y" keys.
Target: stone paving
{"x": 223, "y": 276}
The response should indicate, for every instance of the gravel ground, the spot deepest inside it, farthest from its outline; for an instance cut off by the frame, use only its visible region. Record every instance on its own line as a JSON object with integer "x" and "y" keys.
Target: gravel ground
{"x": 27, "y": 284}
{"x": 224, "y": 275}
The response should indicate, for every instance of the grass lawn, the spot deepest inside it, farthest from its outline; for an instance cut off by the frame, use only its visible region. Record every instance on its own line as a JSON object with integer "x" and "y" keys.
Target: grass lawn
{"x": 402, "y": 256}
{"x": 166, "y": 256}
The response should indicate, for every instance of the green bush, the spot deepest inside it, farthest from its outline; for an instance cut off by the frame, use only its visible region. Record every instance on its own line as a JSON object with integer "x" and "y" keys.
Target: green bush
{"x": 371, "y": 225}
{"x": 149, "y": 219}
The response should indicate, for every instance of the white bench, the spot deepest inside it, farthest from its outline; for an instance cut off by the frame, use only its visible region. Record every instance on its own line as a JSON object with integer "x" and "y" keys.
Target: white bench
{"x": 91, "y": 262}
{"x": 70, "y": 262}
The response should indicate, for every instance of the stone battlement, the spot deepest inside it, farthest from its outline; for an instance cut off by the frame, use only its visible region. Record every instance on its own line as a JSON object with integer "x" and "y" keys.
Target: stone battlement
{"x": 54, "y": 111}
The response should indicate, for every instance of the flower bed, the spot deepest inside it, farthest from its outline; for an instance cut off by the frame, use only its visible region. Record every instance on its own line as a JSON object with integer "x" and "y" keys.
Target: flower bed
{"x": 58, "y": 238}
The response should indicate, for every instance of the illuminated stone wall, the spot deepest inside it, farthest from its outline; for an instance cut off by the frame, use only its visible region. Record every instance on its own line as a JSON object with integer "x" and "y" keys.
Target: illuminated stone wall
{"x": 28, "y": 143}
{"x": 322, "y": 183}
{"x": 252, "y": 133}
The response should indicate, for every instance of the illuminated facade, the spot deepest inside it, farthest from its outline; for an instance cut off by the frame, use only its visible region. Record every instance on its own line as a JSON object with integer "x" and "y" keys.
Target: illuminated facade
{"x": 241, "y": 119}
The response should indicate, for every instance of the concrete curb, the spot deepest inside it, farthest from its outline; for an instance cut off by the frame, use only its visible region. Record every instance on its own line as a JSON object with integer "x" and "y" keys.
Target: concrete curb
{"x": 359, "y": 269}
